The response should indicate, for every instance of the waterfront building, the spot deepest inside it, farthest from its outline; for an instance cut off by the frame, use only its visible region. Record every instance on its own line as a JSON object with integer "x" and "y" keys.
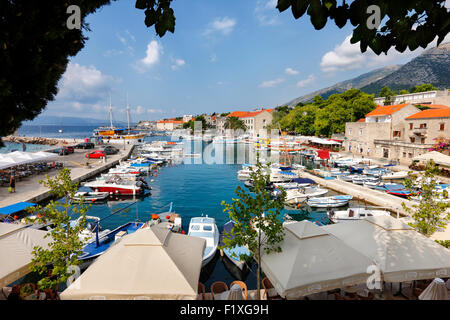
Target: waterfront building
{"x": 255, "y": 121}
{"x": 428, "y": 97}
{"x": 399, "y": 132}
{"x": 169, "y": 125}
{"x": 187, "y": 117}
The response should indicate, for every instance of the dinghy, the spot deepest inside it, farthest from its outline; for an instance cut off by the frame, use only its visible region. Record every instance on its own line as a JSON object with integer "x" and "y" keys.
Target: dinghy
{"x": 354, "y": 214}
{"x": 329, "y": 202}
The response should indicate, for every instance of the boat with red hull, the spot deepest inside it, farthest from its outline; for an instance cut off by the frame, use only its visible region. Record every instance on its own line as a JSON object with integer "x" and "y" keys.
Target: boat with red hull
{"x": 117, "y": 186}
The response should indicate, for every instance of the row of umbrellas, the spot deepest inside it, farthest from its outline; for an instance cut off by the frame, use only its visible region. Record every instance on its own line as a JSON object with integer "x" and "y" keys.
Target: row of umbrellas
{"x": 316, "y": 259}
{"x": 16, "y": 158}
{"x": 155, "y": 263}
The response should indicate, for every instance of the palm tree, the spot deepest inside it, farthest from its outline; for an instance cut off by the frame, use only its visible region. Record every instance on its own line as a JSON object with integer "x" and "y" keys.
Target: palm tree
{"x": 235, "y": 123}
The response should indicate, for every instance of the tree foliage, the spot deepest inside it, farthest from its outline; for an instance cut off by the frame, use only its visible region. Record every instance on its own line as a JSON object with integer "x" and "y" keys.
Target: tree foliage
{"x": 423, "y": 88}
{"x": 430, "y": 214}
{"x": 234, "y": 123}
{"x": 325, "y": 117}
{"x": 56, "y": 263}
{"x": 257, "y": 219}
{"x": 407, "y": 23}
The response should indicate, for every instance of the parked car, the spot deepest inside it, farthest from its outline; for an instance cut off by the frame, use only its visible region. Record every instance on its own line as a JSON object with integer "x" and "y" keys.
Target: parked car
{"x": 110, "y": 150}
{"x": 61, "y": 151}
{"x": 96, "y": 154}
{"x": 71, "y": 149}
{"x": 85, "y": 145}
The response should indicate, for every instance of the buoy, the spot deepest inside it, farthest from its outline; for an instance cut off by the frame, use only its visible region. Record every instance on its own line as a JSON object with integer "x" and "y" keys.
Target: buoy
{"x": 298, "y": 205}
{"x": 182, "y": 232}
{"x": 156, "y": 175}
{"x": 167, "y": 217}
{"x": 93, "y": 200}
{"x": 16, "y": 217}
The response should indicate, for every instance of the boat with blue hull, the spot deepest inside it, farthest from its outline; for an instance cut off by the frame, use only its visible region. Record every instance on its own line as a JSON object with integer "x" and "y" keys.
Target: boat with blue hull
{"x": 97, "y": 247}
{"x": 233, "y": 253}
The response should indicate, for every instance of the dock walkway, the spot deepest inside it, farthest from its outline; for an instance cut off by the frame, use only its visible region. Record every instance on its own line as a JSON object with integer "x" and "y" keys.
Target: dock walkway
{"x": 376, "y": 197}
{"x": 30, "y": 190}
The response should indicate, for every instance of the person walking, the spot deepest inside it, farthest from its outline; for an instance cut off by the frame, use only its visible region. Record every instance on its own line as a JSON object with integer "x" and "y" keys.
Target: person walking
{"x": 12, "y": 184}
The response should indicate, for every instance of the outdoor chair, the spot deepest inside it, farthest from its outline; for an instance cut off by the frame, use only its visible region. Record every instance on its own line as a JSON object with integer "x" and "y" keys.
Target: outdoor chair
{"x": 243, "y": 287}
{"x": 201, "y": 290}
{"x": 218, "y": 287}
{"x": 269, "y": 291}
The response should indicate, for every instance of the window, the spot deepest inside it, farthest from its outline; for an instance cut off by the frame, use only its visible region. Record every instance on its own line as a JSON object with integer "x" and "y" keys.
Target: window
{"x": 207, "y": 228}
{"x": 360, "y": 132}
{"x": 350, "y": 131}
{"x": 410, "y": 155}
{"x": 404, "y": 154}
{"x": 385, "y": 153}
{"x": 423, "y": 126}
{"x": 397, "y": 133}
{"x": 410, "y": 126}
{"x": 412, "y": 139}
{"x": 422, "y": 141}
{"x": 441, "y": 127}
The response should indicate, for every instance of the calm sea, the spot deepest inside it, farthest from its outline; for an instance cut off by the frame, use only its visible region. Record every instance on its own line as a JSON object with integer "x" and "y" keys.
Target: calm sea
{"x": 194, "y": 190}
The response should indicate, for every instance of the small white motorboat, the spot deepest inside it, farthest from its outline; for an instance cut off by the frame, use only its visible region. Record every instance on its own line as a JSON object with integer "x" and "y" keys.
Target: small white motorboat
{"x": 205, "y": 228}
{"x": 395, "y": 175}
{"x": 329, "y": 202}
{"x": 90, "y": 196}
{"x": 354, "y": 214}
{"x": 295, "y": 196}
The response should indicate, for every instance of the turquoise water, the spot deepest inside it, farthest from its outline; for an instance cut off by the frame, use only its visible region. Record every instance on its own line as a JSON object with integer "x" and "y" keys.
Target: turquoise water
{"x": 194, "y": 189}
{"x": 12, "y": 146}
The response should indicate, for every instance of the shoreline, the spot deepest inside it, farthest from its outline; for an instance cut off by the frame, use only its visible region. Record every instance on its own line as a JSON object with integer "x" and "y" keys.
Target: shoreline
{"x": 42, "y": 140}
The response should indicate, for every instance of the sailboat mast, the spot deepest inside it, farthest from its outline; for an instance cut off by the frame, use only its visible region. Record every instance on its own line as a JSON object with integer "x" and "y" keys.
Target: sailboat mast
{"x": 128, "y": 115}
{"x": 110, "y": 111}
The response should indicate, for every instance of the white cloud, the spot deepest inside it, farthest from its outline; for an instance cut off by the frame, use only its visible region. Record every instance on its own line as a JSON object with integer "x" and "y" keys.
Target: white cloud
{"x": 290, "y": 71}
{"x": 154, "y": 111}
{"x": 347, "y": 56}
{"x": 152, "y": 57}
{"x": 266, "y": 12}
{"x": 113, "y": 52}
{"x": 178, "y": 63}
{"x": 223, "y": 25}
{"x": 271, "y": 83}
{"x": 213, "y": 58}
{"x": 303, "y": 83}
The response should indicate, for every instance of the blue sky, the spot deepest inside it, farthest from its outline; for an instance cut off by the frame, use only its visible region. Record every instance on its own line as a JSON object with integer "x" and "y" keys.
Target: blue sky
{"x": 224, "y": 56}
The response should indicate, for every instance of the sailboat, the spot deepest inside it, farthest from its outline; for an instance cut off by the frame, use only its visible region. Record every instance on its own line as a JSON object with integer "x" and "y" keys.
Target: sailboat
{"x": 117, "y": 135}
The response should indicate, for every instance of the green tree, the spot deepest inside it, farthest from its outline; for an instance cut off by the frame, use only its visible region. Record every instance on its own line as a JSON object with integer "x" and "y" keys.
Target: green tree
{"x": 235, "y": 123}
{"x": 56, "y": 264}
{"x": 430, "y": 214}
{"x": 423, "y": 88}
{"x": 403, "y": 91}
{"x": 300, "y": 120}
{"x": 387, "y": 94}
{"x": 277, "y": 115}
{"x": 406, "y": 23}
{"x": 258, "y": 223}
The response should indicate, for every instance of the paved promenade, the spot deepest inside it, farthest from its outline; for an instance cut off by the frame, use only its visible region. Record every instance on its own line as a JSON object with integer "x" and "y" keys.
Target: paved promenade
{"x": 30, "y": 190}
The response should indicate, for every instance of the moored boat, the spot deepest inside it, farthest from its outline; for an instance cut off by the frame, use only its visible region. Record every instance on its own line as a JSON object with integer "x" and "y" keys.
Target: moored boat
{"x": 354, "y": 214}
{"x": 205, "y": 228}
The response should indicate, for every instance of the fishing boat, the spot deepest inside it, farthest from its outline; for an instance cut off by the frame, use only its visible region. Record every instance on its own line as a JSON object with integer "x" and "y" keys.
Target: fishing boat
{"x": 354, "y": 214}
{"x": 232, "y": 254}
{"x": 205, "y": 228}
{"x": 359, "y": 179}
{"x": 328, "y": 202}
{"x": 100, "y": 244}
{"x": 90, "y": 196}
{"x": 295, "y": 196}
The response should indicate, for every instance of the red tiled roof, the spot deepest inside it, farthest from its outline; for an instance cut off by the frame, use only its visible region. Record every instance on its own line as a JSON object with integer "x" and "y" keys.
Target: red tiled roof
{"x": 431, "y": 113}
{"x": 386, "y": 110}
{"x": 171, "y": 121}
{"x": 245, "y": 114}
{"x": 362, "y": 120}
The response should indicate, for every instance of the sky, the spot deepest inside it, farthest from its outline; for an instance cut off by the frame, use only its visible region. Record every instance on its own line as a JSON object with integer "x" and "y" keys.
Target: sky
{"x": 224, "y": 56}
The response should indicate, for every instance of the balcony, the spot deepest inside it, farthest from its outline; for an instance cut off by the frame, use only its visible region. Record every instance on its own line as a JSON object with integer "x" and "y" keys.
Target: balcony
{"x": 420, "y": 131}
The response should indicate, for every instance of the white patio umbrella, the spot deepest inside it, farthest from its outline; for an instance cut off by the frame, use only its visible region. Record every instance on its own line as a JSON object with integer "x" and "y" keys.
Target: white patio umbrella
{"x": 152, "y": 263}
{"x": 435, "y": 291}
{"x": 401, "y": 253}
{"x": 313, "y": 260}
{"x": 16, "y": 247}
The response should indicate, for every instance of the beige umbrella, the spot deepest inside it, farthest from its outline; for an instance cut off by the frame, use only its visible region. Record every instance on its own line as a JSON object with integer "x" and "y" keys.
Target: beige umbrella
{"x": 401, "y": 253}
{"x": 235, "y": 293}
{"x": 152, "y": 263}
{"x": 16, "y": 246}
{"x": 435, "y": 291}
{"x": 313, "y": 260}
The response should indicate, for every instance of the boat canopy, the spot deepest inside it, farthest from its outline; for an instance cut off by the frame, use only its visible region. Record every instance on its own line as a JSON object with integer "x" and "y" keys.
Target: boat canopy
{"x": 17, "y": 207}
{"x": 303, "y": 180}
